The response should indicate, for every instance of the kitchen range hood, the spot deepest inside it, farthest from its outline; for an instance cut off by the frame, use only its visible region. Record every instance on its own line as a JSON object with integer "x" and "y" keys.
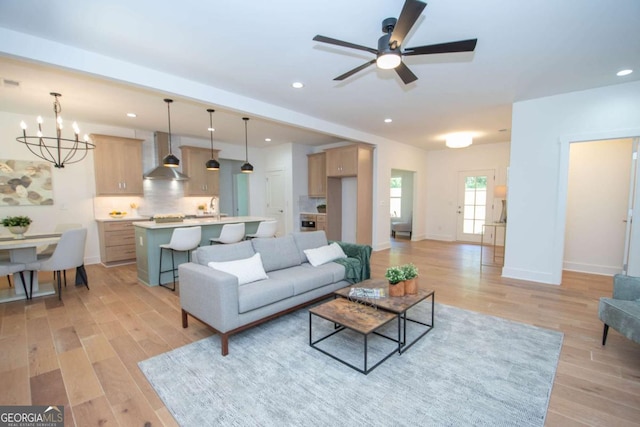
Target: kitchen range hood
{"x": 163, "y": 172}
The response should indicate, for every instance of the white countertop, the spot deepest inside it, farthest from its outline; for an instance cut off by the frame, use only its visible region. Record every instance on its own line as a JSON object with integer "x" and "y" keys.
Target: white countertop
{"x": 200, "y": 221}
{"x": 124, "y": 218}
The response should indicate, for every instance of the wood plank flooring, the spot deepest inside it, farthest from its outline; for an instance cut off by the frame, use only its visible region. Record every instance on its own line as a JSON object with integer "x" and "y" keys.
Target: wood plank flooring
{"x": 83, "y": 352}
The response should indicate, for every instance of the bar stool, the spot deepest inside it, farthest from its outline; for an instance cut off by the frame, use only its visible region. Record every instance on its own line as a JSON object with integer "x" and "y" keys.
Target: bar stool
{"x": 183, "y": 239}
{"x": 265, "y": 229}
{"x": 230, "y": 233}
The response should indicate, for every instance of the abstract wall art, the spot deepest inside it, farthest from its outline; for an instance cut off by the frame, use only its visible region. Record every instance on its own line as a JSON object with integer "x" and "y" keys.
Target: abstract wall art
{"x": 24, "y": 182}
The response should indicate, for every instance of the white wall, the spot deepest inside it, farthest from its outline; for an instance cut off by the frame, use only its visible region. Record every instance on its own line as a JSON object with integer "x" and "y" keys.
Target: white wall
{"x": 597, "y": 203}
{"x": 441, "y": 187}
{"x": 542, "y": 130}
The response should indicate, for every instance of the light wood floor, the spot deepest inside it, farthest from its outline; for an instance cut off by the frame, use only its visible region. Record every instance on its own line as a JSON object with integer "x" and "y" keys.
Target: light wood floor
{"x": 83, "y": 352}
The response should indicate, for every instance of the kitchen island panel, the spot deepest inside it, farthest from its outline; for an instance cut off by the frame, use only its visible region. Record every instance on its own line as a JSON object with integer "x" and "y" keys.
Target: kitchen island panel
{"x": 150, "y": 235}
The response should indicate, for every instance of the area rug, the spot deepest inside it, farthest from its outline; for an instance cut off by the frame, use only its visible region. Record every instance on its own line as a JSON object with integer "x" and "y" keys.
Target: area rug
{"x": 471, "y": 369}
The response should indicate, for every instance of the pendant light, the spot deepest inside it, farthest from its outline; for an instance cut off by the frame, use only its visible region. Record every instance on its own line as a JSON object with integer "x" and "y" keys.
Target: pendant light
{"x": 170, "y": 160}
{"x": 212, "y": 164}
{"x": 246, "y": 168}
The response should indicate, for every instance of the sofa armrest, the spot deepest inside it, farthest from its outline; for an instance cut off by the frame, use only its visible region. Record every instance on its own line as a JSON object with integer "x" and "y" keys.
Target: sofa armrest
{"x": 210, "y": 295}
{"x": 626, "y": 287}
{"x": 363, "y": 254}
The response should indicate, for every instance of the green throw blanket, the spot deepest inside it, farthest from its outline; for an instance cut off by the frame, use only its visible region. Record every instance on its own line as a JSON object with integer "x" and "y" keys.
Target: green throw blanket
{"x": 357, "y": 267}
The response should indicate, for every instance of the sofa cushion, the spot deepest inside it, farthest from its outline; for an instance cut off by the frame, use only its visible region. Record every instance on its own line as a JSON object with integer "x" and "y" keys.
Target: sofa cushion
{"x": 324, "y": 254}
{"x": 220, "y": 253}
{"x": 246, "y": 270}
{"x": 309, "y": 240}
{"x": 277, "y": 253}
{"x": 305, "y": 277}
{"x": 264, "y": 292}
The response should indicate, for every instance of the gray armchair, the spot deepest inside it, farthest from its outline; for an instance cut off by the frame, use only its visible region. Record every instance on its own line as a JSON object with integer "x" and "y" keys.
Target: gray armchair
{"x": 622, "y": 312}
{"x": 402, "y": 227}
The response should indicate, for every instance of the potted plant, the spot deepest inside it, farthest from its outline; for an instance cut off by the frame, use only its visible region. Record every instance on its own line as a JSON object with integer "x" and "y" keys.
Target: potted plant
{"x": 410, "y": 279}
{"x": 17, "y": 225}
{"x": 395, "y": 276}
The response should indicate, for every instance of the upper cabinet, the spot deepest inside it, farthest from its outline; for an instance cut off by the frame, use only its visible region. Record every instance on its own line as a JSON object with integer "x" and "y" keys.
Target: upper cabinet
{"x": 202, "y": 182}
{"x": 342, "y": 161}
{"x": 118, "y": 165}
{"x": 317, "y": 166}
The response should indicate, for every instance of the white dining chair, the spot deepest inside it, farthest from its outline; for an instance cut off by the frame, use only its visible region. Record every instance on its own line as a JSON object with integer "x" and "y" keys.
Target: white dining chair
{"x": 47, "y": 251}
{"x": 265, "y": 229}
{"x": 69, "y": 253}
{"x": 230, "y": 233}
{"x": 183, "y": 239}
{"x": 8, "y": 268}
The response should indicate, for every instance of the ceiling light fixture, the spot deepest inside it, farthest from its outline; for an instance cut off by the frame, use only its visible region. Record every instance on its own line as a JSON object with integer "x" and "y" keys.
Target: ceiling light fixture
{"x": 624, "y": 72}
{"x": 297, "y": 85}
{"x": 212, "y": 164}
{"x": 388, "y": 60}
{"x": 388, "y": 120}
{"x": 459, "y": 140}
{"x": 247, "y": 167}
{"x": 267, "y": 139}
{"x": 170, "y": 160}
{"x": 62, "y": 150}
{"x": 132, "y": 115}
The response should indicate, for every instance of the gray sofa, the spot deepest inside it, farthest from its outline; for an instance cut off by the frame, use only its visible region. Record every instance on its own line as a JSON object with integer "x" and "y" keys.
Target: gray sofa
{"x": 215, "y": 297}
{"x": 622, "y": 312}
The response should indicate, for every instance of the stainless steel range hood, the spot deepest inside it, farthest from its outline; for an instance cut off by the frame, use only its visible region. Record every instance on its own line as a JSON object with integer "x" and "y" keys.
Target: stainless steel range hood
{"x": 160, "y": 171}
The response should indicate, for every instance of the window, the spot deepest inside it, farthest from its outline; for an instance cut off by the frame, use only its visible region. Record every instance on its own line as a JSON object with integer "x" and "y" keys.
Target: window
{"x": 395, "y": 202}
{"x": 475, "y": 204}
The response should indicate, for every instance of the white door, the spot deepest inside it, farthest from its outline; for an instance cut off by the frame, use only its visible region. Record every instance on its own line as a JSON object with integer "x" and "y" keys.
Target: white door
{"x": 275, "y": 199}
{"x": 631, "y": 263}
{"x": 475, "y": 203}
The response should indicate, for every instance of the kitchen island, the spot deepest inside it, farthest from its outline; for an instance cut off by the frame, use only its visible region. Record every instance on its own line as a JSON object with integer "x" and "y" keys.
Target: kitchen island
{"x": 150, "y": 235}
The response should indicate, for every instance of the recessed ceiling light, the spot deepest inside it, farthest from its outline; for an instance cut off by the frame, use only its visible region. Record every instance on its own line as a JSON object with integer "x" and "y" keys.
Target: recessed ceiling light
{"x": 624, "y": 72}
{"x": 133, "y": 115}
{"x": 297, "y": 85}
{"x": 210, "y": 129}
{"x": 268, "y": 139}
{"x": 388, "y": 120}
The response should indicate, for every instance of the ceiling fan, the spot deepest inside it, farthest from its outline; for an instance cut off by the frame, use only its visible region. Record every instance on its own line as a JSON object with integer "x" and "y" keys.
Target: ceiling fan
{"x": 389, "y": 53}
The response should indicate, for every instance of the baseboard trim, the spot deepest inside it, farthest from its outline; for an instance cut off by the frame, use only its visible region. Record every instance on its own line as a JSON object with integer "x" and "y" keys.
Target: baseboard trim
{"x": 531, "y": 276}
{"x": 603, "y": 270}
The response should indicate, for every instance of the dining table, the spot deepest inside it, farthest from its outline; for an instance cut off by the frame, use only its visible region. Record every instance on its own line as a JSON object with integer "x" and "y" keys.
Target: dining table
{"x": 24, "y": 250}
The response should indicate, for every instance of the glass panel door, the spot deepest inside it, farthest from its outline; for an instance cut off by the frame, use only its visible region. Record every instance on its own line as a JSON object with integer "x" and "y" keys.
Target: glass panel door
{"x": 474, "y": 203}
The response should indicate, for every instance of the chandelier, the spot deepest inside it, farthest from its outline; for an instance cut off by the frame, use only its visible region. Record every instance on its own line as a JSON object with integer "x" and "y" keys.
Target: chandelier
{"x": 56, "y": 149}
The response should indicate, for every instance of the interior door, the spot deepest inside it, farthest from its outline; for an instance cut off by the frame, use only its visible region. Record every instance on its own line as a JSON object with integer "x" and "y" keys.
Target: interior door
{"x": 631, "y": 263}
{"x": 275, "y": 198}
{"x": 475, "y": 203}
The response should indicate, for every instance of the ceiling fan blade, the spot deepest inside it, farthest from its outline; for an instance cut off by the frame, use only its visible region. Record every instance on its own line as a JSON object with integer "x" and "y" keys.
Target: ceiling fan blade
{"x": 337, "y": 42}
{"x": 405, "y": 74}
{"x": 355, "y": 70}
{"x": 459, "y": 46}
{"x": 410, "y": 13}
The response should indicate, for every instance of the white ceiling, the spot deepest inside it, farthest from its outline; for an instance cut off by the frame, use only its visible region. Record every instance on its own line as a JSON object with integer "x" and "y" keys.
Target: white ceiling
{"x": 526, "y": 49}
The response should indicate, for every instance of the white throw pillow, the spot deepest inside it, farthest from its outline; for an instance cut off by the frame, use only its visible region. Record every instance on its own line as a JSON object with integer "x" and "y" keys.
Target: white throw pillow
{"x": 246, "y": 270}
{"x": 324, "y": 254}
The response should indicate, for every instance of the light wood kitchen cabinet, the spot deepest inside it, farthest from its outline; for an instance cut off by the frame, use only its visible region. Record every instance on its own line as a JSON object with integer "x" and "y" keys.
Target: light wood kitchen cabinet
{"x": 317, "y": 167}
{"x": 117, "y": 242}
{"x": 202, "y": 182}
{"x": 118, "y": 165}
{"x": 321, "y": 222}
{"x": 356, "y": 167}
{"x": 342, "y": 161}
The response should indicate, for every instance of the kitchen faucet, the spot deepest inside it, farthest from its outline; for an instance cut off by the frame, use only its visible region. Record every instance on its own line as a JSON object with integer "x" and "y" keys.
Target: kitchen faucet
{"x": 214, "y": 206}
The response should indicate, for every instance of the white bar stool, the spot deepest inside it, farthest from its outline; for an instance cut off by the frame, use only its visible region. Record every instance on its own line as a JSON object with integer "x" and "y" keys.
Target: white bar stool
{"x": 230, "y": 233}
{"x": 183, "y": 239}
{"x": 265, "y": 229}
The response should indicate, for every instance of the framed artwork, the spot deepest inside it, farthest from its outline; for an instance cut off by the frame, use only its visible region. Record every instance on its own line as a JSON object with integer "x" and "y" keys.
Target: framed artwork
{"x": 25, "y": 182}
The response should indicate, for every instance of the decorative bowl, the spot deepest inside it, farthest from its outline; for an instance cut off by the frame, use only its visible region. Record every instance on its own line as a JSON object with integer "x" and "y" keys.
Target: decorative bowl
{"x": 120, "y": 215}
{"x": 18, "y": 231}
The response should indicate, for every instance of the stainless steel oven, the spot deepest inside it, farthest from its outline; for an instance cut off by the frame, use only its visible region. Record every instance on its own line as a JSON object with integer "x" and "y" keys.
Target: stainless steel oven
{"x": 307, "y": 222}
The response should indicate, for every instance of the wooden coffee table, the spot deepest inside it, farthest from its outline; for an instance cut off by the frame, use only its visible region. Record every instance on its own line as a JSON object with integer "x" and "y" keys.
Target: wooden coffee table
{"x": 398, "y": 306}
{"x": 357, "y": 317}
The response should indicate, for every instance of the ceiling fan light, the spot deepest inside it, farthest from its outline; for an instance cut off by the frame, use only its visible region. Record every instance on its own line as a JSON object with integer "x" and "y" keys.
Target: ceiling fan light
{"x": 388, "y": 61}
{"x": 459, "y": 140}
